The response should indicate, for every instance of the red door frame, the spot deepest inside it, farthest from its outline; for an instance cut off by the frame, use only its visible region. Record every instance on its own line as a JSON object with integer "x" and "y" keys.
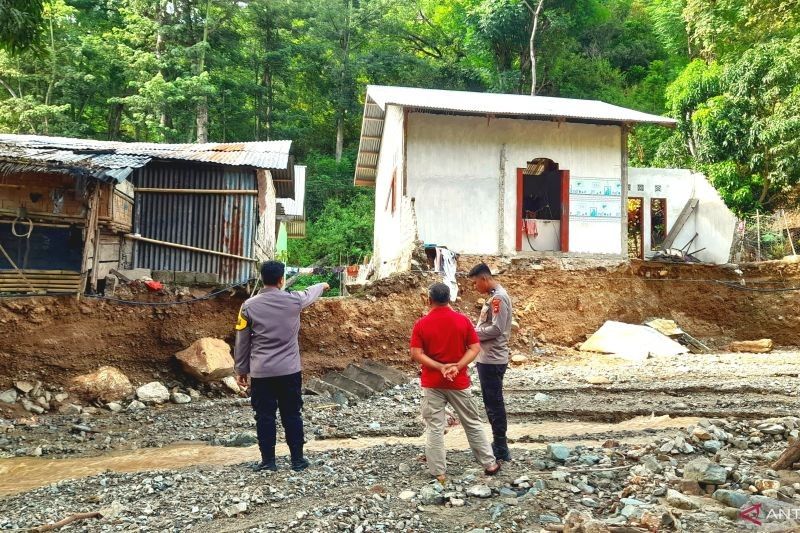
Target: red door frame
{"x": 564, "y": 244}
{"x": 565, "y": 210}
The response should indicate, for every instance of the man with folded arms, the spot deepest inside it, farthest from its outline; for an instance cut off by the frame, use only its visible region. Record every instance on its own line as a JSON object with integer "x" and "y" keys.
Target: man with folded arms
{"x": 444, "y": 342}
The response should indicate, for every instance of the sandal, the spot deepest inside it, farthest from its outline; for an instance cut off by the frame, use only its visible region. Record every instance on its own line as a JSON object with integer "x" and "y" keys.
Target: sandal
{"x": 492, "y": 470}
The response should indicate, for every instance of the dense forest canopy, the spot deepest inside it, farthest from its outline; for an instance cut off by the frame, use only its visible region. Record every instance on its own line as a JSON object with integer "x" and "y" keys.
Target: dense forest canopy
{"x": 225, "y": 70}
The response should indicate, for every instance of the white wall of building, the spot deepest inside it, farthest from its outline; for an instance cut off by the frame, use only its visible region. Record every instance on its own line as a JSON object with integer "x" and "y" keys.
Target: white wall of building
{"x": 713, "y": 222}
{"x": 458, "y": 168}
{"x": 394, "y": 231}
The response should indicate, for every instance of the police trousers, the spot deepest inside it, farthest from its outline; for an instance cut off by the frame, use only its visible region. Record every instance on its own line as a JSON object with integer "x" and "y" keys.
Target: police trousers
{"x": 284, "y": 394}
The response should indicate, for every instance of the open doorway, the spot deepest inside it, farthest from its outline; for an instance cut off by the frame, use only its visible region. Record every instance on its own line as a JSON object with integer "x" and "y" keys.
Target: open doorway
{"x": 542, "y": 199}
{"x": 636, "y": 228}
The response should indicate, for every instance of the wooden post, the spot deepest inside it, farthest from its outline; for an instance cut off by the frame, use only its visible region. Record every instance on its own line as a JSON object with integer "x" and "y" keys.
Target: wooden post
{"x": 758, "y": 235}
{"x": 89, "y": 231}
{"x": 788, "y": 233}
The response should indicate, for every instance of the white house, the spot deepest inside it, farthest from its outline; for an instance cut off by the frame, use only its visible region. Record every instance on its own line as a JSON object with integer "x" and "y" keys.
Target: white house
{"x": 484, "y": 173}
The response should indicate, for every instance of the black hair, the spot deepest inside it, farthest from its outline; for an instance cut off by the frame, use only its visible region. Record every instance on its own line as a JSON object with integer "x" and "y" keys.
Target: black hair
{"x": 272, "y": 272}
{"x": 439, "y": 294}
{"x": 481, "y": 269}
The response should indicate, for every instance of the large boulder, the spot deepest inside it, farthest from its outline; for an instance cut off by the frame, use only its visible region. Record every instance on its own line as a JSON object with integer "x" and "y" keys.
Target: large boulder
{"x": 107, "y": 384}
{"x": 208, "y": 359}
{"x": 153, "y": 392}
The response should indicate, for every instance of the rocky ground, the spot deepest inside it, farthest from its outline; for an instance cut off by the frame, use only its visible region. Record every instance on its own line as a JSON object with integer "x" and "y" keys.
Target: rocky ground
{"x": 599, "y": 444}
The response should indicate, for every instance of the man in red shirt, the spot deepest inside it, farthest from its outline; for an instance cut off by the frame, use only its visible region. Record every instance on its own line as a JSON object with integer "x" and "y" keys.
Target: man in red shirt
{"x": 444, "y": 342}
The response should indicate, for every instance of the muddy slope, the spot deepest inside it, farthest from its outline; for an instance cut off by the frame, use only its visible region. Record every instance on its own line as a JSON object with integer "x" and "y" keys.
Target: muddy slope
{"x": 53, "y": 339}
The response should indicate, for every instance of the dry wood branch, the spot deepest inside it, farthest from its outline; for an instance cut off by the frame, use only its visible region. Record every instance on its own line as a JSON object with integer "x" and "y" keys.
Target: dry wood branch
{"x": 68, "y": 520}
{"x": 789, "y": 457}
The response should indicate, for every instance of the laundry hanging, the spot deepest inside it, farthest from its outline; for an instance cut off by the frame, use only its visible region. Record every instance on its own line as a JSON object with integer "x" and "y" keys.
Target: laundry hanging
{"x": 448, "y": 263}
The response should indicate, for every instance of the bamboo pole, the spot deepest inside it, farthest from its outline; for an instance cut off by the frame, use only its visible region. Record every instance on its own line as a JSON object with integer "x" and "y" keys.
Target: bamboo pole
{"x": 194, "y": 191}
{"x": 788, "y": 233}
{"x": 758, "y": 235}
{"x": 190, "y": 248}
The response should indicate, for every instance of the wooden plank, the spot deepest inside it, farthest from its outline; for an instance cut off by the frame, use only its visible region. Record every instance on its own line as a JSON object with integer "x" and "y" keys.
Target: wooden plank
{"x": 688, "y": 209}
{"x": 191, "y": 248}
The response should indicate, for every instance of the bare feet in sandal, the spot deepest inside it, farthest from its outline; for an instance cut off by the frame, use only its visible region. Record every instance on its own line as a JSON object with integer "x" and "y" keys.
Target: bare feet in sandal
{"x": 492, "y": 470}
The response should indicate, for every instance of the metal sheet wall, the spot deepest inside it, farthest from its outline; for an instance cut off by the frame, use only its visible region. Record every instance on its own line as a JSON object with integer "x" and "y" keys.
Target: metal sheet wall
{"x": 224, "y": 223}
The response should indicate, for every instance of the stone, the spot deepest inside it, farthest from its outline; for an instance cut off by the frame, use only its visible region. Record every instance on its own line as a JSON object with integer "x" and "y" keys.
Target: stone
{"x": 235, "y": 509}
{"x": 540, "y": 397}
{"x": 712, "y": 446}
{"x": 230, "y": 383}
{"x": 690, "y": 486}
{"x": 549, "y": 519}
{"x": 430, "y": 496}
{"x": 114, "y": 407}
{"x": 8, "y": 396}
{"x": 589, "y": 502}
{"x": 207, "y": 359}
{"x": 179, "y": 398}
{"x": 375, "y": 426}
{"x": 558, "y": 452}
{"x": 598, "y": 380}
{"x": 70, "y": 409}
{"x": 767, "y": 484}
{"x": 519, "y": 359}
{"x": 136, "y": 405}
{"x": 42, "y": 402}
{"x": 731, "y": 498}
{"x": 89, "y": 410}
{"x": 407, "y": 495}
{"x": 772, "y": 429}
{"x": 704, "y": 471}
{"x": 701, "y": 433}
{"x": 676, "y": 499}
{"x": 107, "y": 384}
{"x": 652, "y": 464}
{"x": 153, "y": 392}
{"x": 479, "y": 491}
{"x": 24, "y": 386}
{"x": 520, "y": 480}
{"x": 243, "y": 439}
{"x": 61, "y": 397}
{"x": 457, "y": 502}
{"x": 758, "y": 346}
{"x": 32, "y": 407}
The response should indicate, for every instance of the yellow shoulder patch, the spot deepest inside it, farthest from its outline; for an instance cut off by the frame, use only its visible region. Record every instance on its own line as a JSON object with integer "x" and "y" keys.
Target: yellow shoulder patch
{"x": 241, "y": 322}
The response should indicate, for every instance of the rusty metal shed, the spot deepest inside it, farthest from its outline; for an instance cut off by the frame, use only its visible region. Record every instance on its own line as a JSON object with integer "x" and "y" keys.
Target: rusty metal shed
{"x": 206, "y": 208}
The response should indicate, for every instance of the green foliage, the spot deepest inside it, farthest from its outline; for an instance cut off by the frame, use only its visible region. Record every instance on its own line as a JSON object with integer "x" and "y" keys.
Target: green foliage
{"x": 144, "y": 70}
{"x": 342, "y": 233}
{"x": 305, "y": 281}
{"x": 21, "y": 24}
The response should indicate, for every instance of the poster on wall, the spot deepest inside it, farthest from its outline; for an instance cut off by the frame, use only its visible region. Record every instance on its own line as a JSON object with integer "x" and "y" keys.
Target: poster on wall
{"x": 595, "y": 187}
{"x": 595, "y": 198}
{"x": 594, "y": 208}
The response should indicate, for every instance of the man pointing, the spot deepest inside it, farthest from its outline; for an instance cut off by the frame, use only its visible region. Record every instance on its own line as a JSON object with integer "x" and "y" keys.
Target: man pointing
{"x": 267, "y": 350}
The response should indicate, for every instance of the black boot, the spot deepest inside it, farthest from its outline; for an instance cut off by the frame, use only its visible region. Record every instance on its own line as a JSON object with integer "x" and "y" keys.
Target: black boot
{"x": 268, "y": 465}
{"x": 500, "y": 449}
{"x": 300, "y": 464}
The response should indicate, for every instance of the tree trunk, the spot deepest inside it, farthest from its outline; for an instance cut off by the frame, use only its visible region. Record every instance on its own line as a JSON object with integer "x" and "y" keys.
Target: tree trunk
{"x": 202, "y": 106}
{"x": 52, "y": 82}
{"x": 114, "y": 121}
{"x": 343, "y": 79}
{"x": 202, "y": 120}
{"x": 535, "y": 24}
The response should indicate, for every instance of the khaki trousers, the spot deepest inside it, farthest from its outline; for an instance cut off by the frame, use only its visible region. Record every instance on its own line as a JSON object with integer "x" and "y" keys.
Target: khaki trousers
{"x": 434, "y": 402}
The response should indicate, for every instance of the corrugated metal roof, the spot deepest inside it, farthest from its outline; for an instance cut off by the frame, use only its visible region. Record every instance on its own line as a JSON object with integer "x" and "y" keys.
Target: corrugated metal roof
{"x": 263, "y": 154}
{"x": 378, "y": 97}
{"x": 510, "y": 104}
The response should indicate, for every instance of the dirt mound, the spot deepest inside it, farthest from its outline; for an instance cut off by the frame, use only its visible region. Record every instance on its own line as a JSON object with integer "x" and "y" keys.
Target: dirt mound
{"x": 54, "y": 339}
